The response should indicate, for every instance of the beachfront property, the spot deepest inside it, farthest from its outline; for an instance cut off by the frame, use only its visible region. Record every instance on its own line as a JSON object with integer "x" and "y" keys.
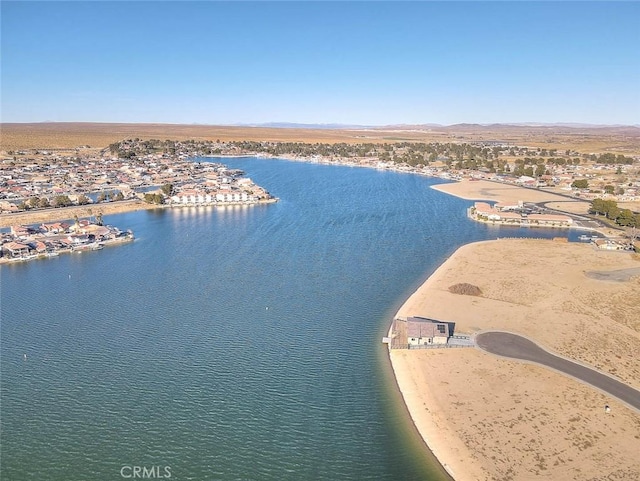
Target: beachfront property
{"x": 192, "y": 197}
{"x": 516, "y": 215}
{"x": 421, "y": 332}
{"x": 49, "y": 240}
{"x": 613, "y": 245}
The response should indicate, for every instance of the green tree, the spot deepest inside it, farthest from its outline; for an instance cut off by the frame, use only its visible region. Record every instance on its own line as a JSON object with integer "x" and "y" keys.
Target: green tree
{"x": 613, "y": 213}
{"x": 626, "y": 218}
{"x": 580, "y": 184}
{"x": 119, "y": 196}
{"x": 155, "y": 198}
{"x": 83, "y": 199}
{"x": 167, "y": 189}
{"x": 43, "y": 203}
{"x": 609, "y": 189}
{"x": 33, "y": 202}
{"x": 62, "y": 201}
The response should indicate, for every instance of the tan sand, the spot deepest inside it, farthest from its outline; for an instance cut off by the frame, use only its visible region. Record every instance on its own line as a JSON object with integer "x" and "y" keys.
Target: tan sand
{"x": 512, "y": 194}
{"x": 492, "y": 418}
{"x": 64, "y": 213}
{"x": 623, "y": 140}
{"x": 496, "y": 191}
{"x": 573, "y": 207}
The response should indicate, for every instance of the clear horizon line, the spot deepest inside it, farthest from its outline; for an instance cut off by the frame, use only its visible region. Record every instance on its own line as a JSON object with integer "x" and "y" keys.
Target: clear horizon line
{"x": 332, "y": 125}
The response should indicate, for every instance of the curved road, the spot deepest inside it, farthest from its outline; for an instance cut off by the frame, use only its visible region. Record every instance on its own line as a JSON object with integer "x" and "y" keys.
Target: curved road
{"x": 517, "y": 347}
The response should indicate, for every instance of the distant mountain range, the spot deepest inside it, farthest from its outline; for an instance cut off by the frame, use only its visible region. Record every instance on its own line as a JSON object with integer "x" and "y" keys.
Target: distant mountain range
{"x": 293, "y": 125}
{"x": 464, "y": 126}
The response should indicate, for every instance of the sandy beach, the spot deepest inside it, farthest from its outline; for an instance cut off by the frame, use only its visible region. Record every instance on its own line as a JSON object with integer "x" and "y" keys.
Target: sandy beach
{"x": 512, "y": 194}
{"x": 495, "y": 191}
{"x": 491, "y": 418}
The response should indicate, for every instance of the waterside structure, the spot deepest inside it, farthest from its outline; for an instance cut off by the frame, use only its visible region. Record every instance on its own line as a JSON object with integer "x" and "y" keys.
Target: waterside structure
{"x": 424, "y": 333}
{"x": 517, "y": 215}
{"x": 24, "y": 243}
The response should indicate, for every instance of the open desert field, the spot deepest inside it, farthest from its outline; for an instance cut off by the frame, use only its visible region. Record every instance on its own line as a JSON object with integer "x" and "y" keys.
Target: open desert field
{"x": 490, "y": 418}
{"x": 624, "y": 140}
{"x": 499, "y": 192}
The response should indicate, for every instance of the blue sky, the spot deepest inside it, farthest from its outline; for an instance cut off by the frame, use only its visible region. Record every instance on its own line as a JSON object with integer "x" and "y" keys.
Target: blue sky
{"x": 371, "y": 63}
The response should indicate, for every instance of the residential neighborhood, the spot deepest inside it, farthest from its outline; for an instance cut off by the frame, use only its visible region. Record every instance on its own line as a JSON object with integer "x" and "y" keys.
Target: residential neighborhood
{"x": 48, "y": 179}
{"x": 51, "y": 239}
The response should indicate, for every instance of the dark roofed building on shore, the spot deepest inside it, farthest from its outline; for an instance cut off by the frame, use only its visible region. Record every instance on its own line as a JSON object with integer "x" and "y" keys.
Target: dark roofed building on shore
{"x": 417, "y": 332}
{"x": 422, "y": 331}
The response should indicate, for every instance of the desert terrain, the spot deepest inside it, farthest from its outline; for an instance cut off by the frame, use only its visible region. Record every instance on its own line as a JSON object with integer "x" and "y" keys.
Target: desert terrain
{"x": 69, "y": 135}
{"x": 494, "y": 191}
{"x": 492, "y": 418}
{"x": 483, "y": 416}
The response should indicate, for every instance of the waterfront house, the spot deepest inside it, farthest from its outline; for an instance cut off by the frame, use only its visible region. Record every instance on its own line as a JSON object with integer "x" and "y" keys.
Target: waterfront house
{"x": 612, "y": 245}
{"x": 21, "y": 230}
{"x": 78, "y": 239}
{"x": 484, "y": 209}
{"x": 55, "y": 227}
{"x": 15, "y": 249}
{"x": 422, "y": 331}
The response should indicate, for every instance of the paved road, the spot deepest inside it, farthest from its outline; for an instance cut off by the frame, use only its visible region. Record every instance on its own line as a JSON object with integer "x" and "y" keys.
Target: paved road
{"x": 514, "y": 346}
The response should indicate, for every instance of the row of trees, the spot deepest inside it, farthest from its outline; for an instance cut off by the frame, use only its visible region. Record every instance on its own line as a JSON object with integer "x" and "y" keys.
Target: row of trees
{"x": 109, "y": 196}
{"x": 533, "y": 162}
{"x": 610, "y": 209}
{"x": 44, "y": 202}
{"x": 159, "y": 197}
{"x": 65, "y": 200}
{"x": 155, "y": 198}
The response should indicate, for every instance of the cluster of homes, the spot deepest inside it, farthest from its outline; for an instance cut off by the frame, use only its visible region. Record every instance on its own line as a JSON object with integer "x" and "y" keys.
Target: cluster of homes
{"x": 51, "y": 239}
{"x": 516, "y": 215}
{"x": 38, "y": 174}
{"x": 33, "y": 183}
{"x": 222, "y": 191}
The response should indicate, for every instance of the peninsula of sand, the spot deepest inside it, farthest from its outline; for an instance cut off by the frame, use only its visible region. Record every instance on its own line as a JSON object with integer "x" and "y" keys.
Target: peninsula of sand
{"x": 492, "y": 418}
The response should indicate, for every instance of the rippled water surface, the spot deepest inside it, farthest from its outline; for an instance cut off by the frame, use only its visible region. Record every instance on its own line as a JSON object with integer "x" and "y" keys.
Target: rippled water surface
{"x": 238, "y": 343}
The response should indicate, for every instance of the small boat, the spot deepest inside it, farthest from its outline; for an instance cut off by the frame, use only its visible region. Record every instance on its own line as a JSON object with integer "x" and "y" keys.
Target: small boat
{"x": 584, "y": 237}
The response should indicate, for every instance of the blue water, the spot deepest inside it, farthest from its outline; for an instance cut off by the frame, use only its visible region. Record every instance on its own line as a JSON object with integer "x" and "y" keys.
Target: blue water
{"x": 237, "y": 343}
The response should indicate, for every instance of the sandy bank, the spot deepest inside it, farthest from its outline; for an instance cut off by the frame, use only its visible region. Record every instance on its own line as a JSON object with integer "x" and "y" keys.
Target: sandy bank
{"x": 512, "y": 194}
{"x": 63, "y": 213}
{"x": 492, "y": 418}
{"x": 495, "y": 191}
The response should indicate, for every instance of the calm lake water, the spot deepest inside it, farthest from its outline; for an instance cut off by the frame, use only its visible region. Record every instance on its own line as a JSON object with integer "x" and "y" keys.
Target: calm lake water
{"x": 238, "y": 343}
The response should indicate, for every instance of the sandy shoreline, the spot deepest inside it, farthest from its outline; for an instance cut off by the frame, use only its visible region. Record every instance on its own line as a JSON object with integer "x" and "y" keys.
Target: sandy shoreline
{"x": 65, "y": 213}
{"x": 486, "y": 417}
{"x": 512, "y": 194}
